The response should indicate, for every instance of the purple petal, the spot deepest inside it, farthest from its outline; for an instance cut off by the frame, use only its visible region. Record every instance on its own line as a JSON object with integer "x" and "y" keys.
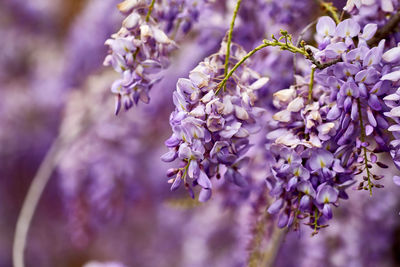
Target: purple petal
{"x": 319, "y": 159}
{"x": 307, "y": 188}
{"x": 374, "y": 103}
{"x": 204, "y": 181}
{"x": 283, "y": 220}
{"x": 239, "y": 180}
{"x": 333, "y": 113}
{"x": 173, "y": 141}
{"x": 327, "y": 211}
{"x": 193, "y": 170}
{"x": 176, "y": 184}
{"x": 368, "y": 129}
{"x": 276, "y": 206}
{"x": 304, "y": 203}
{"x": 347, "y": 28}
{"x": 371, "y": 118}
{"x": 327, "y": 194}
{"x": 396, "y": 180}
{"x": 326, "y": 26}
{"x": 205, "y": 194}
{"x": 169, "y": 156}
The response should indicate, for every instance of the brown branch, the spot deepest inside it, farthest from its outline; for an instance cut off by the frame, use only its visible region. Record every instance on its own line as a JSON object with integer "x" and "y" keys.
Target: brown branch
{"x": 386, "y": 30}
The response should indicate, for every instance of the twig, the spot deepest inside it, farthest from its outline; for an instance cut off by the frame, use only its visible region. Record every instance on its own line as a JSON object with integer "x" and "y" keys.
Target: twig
{"x": 237, "y": 66}
{"x": 386, "y": 30}
{"x": 363, "y": 139}
{"x": 31, "y": 201}
{"x": 330, "y": 8}
{"x": 150, "y": 10}
{"x": 230, "y": 33}
{"x": 301, "y": 35}
{"x": 310, "y": 89}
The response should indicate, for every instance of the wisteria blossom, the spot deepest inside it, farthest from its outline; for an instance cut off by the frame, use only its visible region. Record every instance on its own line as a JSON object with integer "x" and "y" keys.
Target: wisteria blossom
{"x": 140, "y": 50}
{"x": 211, "y": 130}
{"x": 259, "y": 133}
{"x": 326, "y": 126}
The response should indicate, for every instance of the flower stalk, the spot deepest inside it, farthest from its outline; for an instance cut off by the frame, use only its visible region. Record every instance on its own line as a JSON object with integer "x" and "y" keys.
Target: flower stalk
{"x": 230, "y": 33}
{"x": 363, "y": 139}
{"x": 310, "y": 89}
{"x": 150, "y": 10}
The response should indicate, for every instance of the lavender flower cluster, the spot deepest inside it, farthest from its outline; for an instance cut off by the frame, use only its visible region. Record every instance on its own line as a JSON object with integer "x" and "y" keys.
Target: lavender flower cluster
{"x": 332, "y": 126}
{"x": 266, "y": 133}
{"x": 140, "y": 50}
{"x": 211, "y": 130}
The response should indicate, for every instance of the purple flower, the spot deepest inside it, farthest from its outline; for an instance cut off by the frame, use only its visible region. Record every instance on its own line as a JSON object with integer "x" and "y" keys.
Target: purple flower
{"x": 326, "y": 194}
{"x": 210, "y": 132}
{"x": 320, "y": 159}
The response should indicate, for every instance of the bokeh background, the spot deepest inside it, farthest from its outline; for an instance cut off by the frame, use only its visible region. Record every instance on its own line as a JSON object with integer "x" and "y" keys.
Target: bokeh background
{"x": 108, "y": 203}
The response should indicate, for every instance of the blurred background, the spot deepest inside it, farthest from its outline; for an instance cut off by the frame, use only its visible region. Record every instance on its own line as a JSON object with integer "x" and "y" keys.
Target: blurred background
{"x": 108, "y": 203}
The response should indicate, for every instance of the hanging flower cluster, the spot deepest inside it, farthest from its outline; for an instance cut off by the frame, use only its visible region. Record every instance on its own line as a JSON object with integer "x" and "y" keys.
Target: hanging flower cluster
{"x": 211, "y": 130}
{"x": 140, "y": 50}
{"x": 330, "y": 129}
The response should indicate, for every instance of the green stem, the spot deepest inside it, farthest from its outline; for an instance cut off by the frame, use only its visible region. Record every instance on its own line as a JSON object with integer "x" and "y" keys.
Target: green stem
{"x": 331, "y": 9}
{"x": 286, "y": 46}
{"x": 310, "y": 89}
{"x": 363, "y": 138}
{"x": 283, "y": 46}
{"x": 223, "y": 82}
{"x": 186, "y": 168}
{"x": 316, "y": 216}
{"x": 228, "y": 44}
{"x": 150, "y": 10}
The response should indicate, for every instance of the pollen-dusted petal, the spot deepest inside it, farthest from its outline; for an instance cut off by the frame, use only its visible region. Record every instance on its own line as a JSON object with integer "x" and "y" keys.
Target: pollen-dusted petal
{"x": 241, "y": 113}
{"x": 129, "y": 5}
{"x": 132, "y": 21}
{"x": 392, "y": 76}
{"x": 395, "y": 112}
{"x": 392, "y": 97}
{"x": 296, "y": 104}
{"x": 325, "y": 128}
{"x": 200, "y": 79}
{"x": 259, "y": 83}
{"x": 369, "y": 31}
{"x": 387, "y": 5}
{"x": 285, "y": 95}
{"x": 392, "y": 55}
{"x": 282, "y": 116}
{"x": 394, "y": 128}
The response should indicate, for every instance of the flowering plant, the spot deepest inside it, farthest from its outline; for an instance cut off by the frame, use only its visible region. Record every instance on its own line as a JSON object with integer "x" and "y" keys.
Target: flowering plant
{"x": 281, "y": 130}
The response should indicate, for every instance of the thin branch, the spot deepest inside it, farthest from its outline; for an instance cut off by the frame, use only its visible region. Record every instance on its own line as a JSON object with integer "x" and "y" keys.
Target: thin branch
{"x": 31, "y": 201}
{"x": 310, "y": 89}
{"x": 363, "y": 138}
{"x": 299, "y": 39}
{"x": 150, "y": 10}
{"x": 331, "y": 9}
{"x": 223, "y": 82}
{"x": 386, "y": 30}
{"x": 230, "y": 33}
